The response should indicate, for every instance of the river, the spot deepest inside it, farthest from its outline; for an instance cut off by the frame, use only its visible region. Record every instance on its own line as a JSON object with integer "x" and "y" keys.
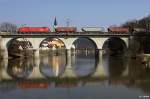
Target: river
{"x": 86, "y": 76}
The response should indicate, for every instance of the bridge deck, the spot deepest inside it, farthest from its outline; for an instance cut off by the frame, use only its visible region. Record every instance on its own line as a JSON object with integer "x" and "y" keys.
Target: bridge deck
{"x": 56, "y": 34}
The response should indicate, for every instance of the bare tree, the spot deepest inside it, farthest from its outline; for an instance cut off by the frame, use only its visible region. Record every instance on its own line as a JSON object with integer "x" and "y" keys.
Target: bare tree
{"x": 8, "y": 27}
{"x": 141, "y": 23}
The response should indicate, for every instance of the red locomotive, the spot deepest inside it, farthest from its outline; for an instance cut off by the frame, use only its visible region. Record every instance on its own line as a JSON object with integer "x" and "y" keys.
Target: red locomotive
{"x": 33, "y": 29}
{"x": 65, "y": 29}
{"x": 118, "y": 29}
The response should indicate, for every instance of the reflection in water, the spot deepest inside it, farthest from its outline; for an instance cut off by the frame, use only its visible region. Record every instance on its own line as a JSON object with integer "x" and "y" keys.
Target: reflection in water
{"x": 29, "y": 85}
{"x": 114, "y": 66}
{"x": 6, "y": 87}
{"x": 83, "y": 62}
{"x": 138, "y": 70}
{"x": 67, "y": 83}
{"x": 52, "y": 65}
{"x": 83, "y": 56}
{"x": 52, "y": 57}
{"x": 20, "y": 69}
{"x": 128, "y": 78}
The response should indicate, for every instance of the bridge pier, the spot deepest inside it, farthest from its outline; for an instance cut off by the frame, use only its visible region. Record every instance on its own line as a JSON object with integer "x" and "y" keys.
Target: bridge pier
{"x": 68, "y": 70}
{"x": 3, "y": 48}
{"x": 36, "y": 53}
{"x": 99, "y": 72}
{"x": 36, "y": 74}
{"x": 5, "y": 54}
{"x": 3, "y": 70}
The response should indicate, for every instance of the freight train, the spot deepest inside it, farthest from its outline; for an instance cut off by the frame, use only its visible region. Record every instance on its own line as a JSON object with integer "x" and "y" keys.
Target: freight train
{"x": 45, "y": 29}
{"x": 74, "y": 30}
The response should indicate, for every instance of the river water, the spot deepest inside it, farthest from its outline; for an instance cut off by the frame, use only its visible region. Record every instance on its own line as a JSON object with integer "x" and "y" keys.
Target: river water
{"x": 86, "y": 76}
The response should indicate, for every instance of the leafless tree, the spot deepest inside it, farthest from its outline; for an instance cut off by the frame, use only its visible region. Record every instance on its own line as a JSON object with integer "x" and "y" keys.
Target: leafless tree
{"x": 8, "y": 27}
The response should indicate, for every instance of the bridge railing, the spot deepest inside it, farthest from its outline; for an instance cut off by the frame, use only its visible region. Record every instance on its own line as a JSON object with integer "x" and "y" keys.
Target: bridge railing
{"x": 61, "y": 33}
{"x": 75, "y": 34}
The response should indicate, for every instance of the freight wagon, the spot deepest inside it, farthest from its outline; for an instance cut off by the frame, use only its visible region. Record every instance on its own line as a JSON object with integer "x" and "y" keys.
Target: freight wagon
{"x": 118, "y": 29}
{"x": 92, "y": 29}
{"x": 65, "y": 29}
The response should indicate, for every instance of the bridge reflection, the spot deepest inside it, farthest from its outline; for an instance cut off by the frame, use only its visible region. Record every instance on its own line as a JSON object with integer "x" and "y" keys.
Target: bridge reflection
{"x": 52, "y": 65}
{"x": 42, "y": 73}
{"x": 70, "y": 65}
{"x": 19, "y": 69}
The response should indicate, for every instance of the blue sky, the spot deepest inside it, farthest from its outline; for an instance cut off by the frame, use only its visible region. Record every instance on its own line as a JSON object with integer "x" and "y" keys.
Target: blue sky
{"x": 80, "y": 12}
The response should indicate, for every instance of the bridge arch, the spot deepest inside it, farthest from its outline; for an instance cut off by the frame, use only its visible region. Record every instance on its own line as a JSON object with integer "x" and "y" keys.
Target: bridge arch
{"x": 85, "y": 39}
{"x": 52, "y": 57}
{"x": 84, "y": 51}
{"x": 16, "y": 45}
{"x": 52, "y": 41}
{"x": 9, "y": 42}
{"x": 13, "y": 39}
{"x": 69, "y": 41}
{"x": 114, "y": 44}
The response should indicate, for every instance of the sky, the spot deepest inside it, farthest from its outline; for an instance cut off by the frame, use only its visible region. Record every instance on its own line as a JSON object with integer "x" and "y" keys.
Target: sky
{"x": 80, "y": 13}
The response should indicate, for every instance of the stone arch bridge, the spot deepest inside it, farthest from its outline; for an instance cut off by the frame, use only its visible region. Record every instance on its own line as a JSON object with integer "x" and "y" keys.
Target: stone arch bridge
{"x": 35, "y": 39}
{"x": 68, "y": 39}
